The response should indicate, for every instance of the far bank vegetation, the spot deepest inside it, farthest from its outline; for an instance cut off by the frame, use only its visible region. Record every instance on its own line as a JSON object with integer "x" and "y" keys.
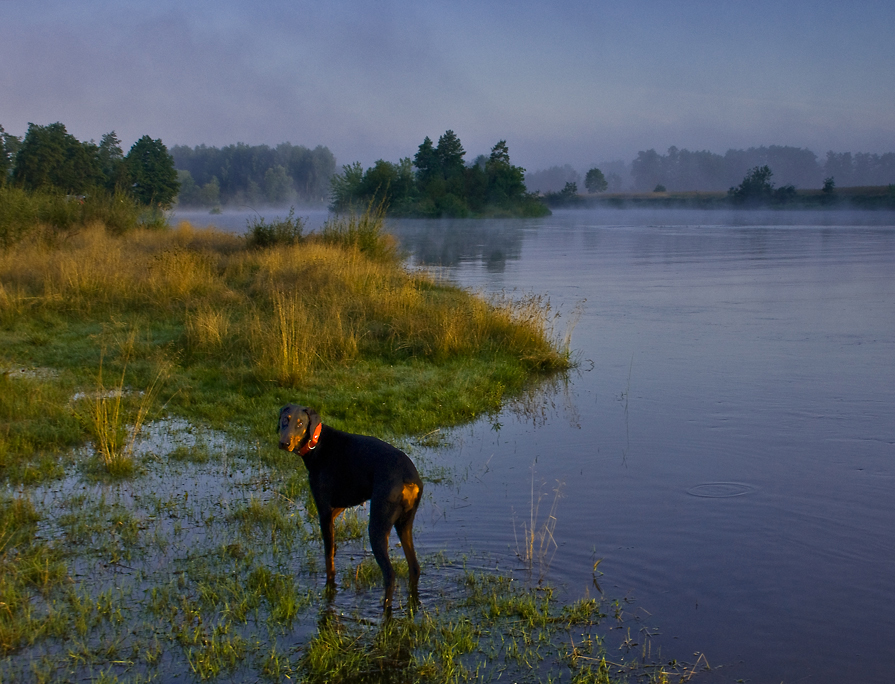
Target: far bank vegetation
{"x": 438, "y": 182}
{"x": 700, "y": 178}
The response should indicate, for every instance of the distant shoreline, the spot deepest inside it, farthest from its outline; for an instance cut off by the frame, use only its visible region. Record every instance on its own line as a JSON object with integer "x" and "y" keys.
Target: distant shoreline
{"x": 867, "y": 197}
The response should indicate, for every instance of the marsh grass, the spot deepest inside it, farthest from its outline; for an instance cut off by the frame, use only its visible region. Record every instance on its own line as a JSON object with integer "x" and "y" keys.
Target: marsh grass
{"x": 271, "y": 519}
{"x": 483, "y": 627}
{"x": 156, "y": 581}
{"x": 365, "y": 574}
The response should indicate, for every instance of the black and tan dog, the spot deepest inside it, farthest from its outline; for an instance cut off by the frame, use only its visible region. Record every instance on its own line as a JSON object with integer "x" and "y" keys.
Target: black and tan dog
{"x": 345, "y": 470}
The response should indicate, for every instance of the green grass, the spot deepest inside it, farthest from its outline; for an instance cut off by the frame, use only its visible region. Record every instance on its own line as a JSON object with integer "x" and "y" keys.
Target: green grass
{"x": 38, "y": 425}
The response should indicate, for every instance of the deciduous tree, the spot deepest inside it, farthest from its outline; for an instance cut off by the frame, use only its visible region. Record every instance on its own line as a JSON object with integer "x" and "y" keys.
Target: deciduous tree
{"x": 756, "y": 186}
{"x": 346, "y": 187}
{"x": 595, "y": 181}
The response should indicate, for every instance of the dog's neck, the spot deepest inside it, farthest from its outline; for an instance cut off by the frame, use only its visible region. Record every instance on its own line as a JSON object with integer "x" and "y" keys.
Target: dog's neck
{"x": 311, "y": 444}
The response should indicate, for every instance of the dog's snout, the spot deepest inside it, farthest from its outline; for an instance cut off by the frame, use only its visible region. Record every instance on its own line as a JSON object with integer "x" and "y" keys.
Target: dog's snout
{"x": 288, "y": 441}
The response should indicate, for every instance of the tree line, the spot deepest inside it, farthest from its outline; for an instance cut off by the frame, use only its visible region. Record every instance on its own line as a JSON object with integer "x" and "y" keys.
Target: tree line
{"x": 683, "y": 170}
{"x": 561, "y": 178}
{"x": 439, "y": 182}
{"x": 51, "y": 159}
{"x": 253, "y": 175}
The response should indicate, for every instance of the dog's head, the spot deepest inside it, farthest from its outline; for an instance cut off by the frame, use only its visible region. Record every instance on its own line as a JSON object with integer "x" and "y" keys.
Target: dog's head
{"x": 297, "y": 425}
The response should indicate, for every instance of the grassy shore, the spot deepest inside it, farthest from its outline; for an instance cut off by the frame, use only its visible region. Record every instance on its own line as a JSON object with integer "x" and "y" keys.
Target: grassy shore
{"x": 149, "y": 527}
{"x": 228, "y": 332}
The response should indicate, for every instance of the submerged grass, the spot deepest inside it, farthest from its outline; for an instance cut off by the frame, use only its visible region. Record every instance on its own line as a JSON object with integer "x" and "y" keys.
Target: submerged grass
{"x": 207, "y": 571}
{"x": 28, "y": 567}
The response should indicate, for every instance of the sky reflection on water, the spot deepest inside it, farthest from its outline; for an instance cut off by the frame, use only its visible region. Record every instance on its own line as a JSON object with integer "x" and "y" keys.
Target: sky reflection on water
{"x": 754, "y": 357}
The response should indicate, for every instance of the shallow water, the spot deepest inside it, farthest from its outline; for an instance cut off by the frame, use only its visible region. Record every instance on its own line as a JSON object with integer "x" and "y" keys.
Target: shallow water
{"x": 727, "y": 444}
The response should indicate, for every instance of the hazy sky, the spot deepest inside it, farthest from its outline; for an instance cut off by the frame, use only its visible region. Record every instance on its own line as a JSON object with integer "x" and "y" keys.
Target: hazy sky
{"x": 563, "y": 82}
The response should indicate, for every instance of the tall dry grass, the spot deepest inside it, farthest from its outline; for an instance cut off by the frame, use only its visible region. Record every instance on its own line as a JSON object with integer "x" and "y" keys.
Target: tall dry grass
{"x": 284, "y": 310}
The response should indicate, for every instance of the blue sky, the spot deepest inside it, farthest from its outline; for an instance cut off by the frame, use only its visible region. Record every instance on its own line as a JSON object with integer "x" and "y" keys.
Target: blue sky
{"x": 573, "y": 82}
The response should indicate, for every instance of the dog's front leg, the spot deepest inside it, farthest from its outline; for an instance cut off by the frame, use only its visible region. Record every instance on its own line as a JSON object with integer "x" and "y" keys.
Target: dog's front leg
{"x": 328, "y": 531}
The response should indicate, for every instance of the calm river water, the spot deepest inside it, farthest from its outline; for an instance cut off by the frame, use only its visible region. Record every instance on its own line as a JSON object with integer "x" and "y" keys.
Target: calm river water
{"x": 727, "y": 444}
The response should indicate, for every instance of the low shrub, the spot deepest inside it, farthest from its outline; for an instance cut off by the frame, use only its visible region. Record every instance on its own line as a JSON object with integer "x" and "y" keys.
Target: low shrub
{"x": 288, "y": 231}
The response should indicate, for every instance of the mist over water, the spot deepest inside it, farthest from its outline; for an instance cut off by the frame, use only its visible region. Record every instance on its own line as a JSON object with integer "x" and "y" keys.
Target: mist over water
{"x": 235, "y": 220}
{"x": 726, "y": 446}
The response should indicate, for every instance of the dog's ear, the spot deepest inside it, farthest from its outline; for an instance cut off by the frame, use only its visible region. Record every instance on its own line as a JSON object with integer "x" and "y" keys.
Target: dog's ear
{"x": 313, "y": 421}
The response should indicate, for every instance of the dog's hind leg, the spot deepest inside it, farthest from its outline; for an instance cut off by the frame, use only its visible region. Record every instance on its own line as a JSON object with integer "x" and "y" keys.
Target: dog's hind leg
{"x": 380, "y": 528}
{"x": 404, "y": 528}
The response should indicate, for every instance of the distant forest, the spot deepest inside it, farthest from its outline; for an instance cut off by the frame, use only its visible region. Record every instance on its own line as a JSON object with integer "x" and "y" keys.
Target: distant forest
{"x": 253, "y": 175}
{"x": 680, "y": 170}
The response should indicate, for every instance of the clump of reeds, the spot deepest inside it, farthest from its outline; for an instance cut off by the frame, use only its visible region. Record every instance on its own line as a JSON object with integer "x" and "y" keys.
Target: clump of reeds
{"x": 116, "y": 420}
{"x": 208, "y": 328}
{"x": 538, "y": 544}
{"x": 364, "y": 232}
{"x": 281, "y": 232}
